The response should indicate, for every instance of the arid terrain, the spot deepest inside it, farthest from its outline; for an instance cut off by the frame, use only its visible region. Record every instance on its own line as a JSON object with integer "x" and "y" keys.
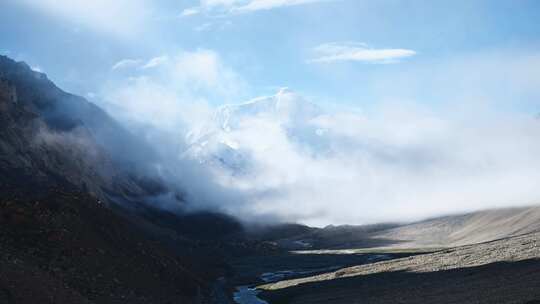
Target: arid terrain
{"x": 490, "y": 256}
{"x": 445, "y": 231}
{"x": 502, "y": 271}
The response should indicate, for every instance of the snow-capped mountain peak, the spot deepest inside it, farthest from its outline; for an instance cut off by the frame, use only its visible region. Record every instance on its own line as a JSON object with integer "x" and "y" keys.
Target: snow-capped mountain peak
{"x": 285, "y": 107}
{"x": 223, "y": 140}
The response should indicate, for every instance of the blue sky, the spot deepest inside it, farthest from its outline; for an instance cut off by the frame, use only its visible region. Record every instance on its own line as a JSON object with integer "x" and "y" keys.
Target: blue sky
{"x": 271, "y": 44}
{"x": 430, "y": 107}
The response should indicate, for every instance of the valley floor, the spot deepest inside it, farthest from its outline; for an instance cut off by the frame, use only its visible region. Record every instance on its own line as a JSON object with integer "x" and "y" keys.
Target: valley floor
{"x": 501, "y": 271}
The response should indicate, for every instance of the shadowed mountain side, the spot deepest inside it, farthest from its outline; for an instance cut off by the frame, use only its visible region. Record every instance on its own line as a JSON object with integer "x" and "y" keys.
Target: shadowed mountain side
{"x": 63, "y": 239}
{"x": 63, "y": 111}
{"x": 49, "y": 138}
{"x": 65, "y": 247}
{"x": 300, "y": 237}
{"x": 54, "y": 137}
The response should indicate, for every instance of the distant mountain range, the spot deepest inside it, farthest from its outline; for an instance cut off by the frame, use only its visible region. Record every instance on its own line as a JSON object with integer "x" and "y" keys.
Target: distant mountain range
{"x": 440, "y": 232}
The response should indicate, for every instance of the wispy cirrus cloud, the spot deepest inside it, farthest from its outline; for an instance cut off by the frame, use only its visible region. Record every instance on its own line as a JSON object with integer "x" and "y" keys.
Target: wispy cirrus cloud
{"x": 125, "y": 64}
{"x": 257, "y": 5}
{"x": 241, "y": 6}
{"x": 128, "y": 63}
{"x": 190, "y": 12}
{"x": 123, "y": 18}
{"x": 360, "y": 52}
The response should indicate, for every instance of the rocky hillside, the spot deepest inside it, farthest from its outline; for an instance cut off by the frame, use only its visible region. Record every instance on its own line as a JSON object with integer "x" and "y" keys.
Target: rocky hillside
{"x": 63, "y": 246}
{"x": 52, "y": 137}
{"x": 76, "y": 226}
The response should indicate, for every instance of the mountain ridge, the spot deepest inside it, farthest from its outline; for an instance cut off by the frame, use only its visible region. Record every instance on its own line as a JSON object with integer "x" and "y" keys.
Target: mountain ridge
{"x": 77, "y": 220}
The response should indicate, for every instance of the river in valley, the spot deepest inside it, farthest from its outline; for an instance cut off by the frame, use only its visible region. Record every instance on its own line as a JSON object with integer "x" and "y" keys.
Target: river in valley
{"x": 247, "y": 295}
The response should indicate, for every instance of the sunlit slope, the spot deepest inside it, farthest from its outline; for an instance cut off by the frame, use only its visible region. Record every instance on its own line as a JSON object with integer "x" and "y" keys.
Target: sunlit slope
{"x": 464, "y": 229}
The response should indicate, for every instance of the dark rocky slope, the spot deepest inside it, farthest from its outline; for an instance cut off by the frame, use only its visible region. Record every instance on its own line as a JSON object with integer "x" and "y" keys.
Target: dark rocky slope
{"x": 53, "y": 137}
{"x": 63, "y": 238}
{"x": 63, "y": 246}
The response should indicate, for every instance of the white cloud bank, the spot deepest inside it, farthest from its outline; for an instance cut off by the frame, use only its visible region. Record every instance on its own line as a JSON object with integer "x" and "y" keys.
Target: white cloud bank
{"x": 165, "y": 91}
{"x": 398, "y": 163}
{"x": 353, "y": 51}
{"x": 241, "y": 6}
{"x": 281, "y": 157}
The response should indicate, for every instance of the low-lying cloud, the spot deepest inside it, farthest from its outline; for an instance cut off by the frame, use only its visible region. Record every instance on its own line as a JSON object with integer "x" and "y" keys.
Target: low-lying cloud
{"x": 283, "y": 157}
{"x": 171, "y": 90}
{"x": 399, "y": 163}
